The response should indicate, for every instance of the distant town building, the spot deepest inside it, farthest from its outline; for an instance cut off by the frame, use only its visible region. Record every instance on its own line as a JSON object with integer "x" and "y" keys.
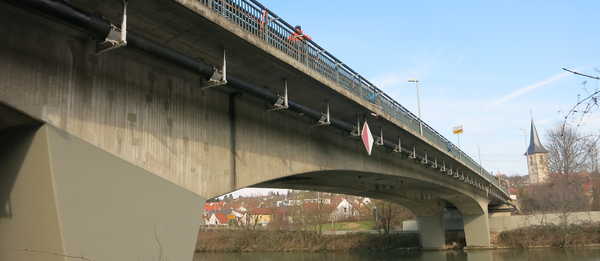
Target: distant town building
{"x": 344, "y": 210}
{"x": 298, "y": 202}
{"x": 217, "y": 219}
{"x": 537, "y": 158}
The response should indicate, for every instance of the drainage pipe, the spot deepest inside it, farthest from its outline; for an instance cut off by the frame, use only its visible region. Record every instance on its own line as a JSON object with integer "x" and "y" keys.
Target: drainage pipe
{"x": 99, "y": 28}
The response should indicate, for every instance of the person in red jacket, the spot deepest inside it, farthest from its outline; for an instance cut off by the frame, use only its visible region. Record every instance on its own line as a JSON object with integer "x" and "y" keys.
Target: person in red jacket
{"x": 298, "y": 40}
{"x": 298, "y": 35}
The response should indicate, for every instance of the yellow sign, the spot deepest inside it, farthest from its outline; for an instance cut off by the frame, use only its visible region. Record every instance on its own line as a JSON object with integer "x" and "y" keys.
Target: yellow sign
{"x": 458, "y": 129}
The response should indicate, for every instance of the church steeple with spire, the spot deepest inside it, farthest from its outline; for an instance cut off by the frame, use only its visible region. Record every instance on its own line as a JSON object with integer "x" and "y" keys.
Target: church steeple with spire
{"x": 537, "y": 158}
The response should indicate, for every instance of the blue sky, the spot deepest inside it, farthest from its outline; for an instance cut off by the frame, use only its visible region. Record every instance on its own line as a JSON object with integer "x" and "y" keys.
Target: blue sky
{"x": 482, "y": 64}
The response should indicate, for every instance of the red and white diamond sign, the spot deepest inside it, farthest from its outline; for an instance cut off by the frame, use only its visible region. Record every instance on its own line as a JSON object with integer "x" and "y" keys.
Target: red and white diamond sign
{"x": 367, "y": 138}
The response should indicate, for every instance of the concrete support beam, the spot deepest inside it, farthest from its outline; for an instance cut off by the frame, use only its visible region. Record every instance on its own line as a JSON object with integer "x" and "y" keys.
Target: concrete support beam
{"x": 431, "y": 232}
{"x": 477, "y": 230}
{"x": 70, "y": 200}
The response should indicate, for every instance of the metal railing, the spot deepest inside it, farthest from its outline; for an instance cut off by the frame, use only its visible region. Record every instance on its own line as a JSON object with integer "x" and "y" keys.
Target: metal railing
{"x": 261, "y": 22}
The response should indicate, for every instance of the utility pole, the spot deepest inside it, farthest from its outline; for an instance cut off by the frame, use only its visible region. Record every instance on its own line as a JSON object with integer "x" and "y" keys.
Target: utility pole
{"x": 418, "y": 96}
{"x": 479, "y": 155}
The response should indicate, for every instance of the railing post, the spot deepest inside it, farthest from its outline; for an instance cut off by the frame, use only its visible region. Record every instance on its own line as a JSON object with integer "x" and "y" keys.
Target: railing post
{"x": 337, "y": 73}
{"x": 223, "y": 8}
{"x": 301, "y": 51}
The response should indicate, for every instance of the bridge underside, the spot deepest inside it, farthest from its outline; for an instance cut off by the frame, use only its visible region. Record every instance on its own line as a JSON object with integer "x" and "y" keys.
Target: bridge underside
{"x": 64, "y": 197}
{"x": 426, "y": 200}
{"x": 118, "y": 147}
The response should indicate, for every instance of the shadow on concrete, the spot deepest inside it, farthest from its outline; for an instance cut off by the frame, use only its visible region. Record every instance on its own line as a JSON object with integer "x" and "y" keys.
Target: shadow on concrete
{"x": 16, "y": 134}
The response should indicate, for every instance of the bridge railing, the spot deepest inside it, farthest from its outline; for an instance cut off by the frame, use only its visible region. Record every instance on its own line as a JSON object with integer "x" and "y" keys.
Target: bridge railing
{"x": 261, "y": 22}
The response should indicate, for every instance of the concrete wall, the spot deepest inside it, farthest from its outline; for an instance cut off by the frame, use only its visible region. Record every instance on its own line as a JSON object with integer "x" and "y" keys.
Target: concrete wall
{"x": 503, "y": 223}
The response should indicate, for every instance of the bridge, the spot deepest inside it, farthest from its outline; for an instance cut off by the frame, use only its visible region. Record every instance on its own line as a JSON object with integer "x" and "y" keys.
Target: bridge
{"x": 118, "y": 123}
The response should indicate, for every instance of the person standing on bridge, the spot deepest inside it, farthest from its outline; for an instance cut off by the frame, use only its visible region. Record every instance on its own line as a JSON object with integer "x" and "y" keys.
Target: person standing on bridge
{"x": 298, "y": 40}
{"x": 298, "y": 35}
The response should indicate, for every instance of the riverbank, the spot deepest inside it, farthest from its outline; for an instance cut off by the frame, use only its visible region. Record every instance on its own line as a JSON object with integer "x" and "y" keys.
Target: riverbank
{"x": 552, "y": 254}
{"x": 537, "y": 236}
{"x": 550, "y": 235}
{"x": 286, "y": 241}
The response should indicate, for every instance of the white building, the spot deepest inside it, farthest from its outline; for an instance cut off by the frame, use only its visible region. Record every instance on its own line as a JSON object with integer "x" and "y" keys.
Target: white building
{"x": 344, "y": 210}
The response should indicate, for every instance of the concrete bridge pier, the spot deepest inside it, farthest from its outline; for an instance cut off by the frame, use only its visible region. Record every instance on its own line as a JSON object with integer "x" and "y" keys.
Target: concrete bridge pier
{"x": 432, "y": 232}
{"x": 477, "y": 230}
{"x": 64, "y": 199}
{"x": 477, "y": 227}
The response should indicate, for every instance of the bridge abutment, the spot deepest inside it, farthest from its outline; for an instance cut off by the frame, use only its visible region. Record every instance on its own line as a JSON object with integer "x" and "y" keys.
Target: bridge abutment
{"x": 63, "y": 198}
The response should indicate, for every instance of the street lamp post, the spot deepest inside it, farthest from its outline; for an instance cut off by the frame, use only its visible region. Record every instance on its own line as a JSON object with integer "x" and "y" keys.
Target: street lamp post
{"x": 418, "y": 96}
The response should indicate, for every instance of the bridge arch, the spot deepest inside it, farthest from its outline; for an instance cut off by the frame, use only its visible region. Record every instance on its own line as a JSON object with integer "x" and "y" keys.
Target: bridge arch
{"x": 426, "y": 199}
{"x": 127, "y": 134}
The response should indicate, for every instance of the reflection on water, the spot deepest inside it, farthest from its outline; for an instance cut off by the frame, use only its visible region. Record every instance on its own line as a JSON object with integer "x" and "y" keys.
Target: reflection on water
{"x": 480, "y": 255}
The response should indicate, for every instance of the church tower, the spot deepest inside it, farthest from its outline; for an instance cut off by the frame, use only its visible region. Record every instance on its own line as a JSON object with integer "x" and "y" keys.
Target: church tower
{"x": 537, "y": 158}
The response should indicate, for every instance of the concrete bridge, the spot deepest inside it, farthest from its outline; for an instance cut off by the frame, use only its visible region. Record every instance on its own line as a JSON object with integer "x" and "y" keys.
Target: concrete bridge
{"x": 110, "y": 147}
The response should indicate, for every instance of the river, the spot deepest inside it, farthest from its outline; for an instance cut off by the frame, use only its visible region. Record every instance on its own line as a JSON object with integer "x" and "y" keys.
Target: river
{"x": 479, "y": 255}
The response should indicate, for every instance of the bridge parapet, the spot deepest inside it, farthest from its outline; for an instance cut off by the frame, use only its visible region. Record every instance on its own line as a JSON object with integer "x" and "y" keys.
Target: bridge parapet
{"x": 256, "y": 19}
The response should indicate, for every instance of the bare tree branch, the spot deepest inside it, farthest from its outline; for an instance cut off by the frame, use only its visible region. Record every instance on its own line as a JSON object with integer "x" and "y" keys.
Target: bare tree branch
{"x": 570, "y": 151}
{"x": 578, "y": 73}
{"x": 589, "y": 103}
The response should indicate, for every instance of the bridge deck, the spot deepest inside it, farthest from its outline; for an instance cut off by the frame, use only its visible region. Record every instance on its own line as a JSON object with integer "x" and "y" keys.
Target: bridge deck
{"x": 260, "y": 22}
{"x": 240, "y": 30}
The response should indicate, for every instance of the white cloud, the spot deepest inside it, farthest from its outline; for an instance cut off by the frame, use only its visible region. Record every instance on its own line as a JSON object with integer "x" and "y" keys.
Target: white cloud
{"x": 529, "y": 88}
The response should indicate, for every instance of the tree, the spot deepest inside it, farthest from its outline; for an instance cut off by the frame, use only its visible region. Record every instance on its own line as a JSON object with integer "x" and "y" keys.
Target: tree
{"x": 595, "y": 192}
{"x": 388, "y": 215}
{"x": 570, "y": 151}
{"x": 561, "y": 194}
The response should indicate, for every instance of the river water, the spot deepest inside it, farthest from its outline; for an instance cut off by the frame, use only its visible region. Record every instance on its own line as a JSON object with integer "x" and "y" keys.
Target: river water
{"x": 479, "y": 255}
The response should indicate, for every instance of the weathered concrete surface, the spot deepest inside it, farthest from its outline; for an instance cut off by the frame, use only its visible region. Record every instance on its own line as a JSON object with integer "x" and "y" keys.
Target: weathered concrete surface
{"x": 477, "y": 228}
{"x": 432, "y": 232}
{"x": 256, "y": 41}
{"x": 191, "y": 28}
{"x": 153, "y": 115}
{"x": 72, "y": 200}
{"x": 140, "y": 109}
{"x": 29, "y": 219}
